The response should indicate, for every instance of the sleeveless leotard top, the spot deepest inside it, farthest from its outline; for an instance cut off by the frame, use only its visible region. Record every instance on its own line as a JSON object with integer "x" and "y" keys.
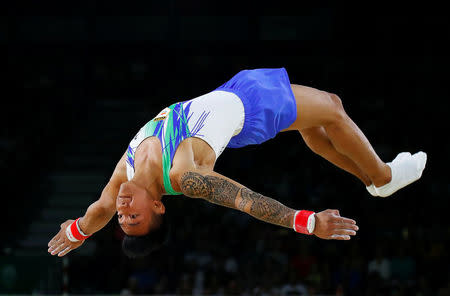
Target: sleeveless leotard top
{"x": 171, "y": 128}
{"x": 214, "y": 117}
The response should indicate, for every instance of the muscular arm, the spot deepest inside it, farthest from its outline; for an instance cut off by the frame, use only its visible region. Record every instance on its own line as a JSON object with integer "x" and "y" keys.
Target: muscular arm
{"x": 96, "y": 217}
{"x": 202, "y": 182}
{"x": 221, "y": 190}
{"x": 101, "y": 211}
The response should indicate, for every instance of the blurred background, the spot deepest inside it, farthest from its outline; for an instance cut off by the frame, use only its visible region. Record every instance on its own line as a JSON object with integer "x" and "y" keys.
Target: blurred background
{"x": 82, "y": 79}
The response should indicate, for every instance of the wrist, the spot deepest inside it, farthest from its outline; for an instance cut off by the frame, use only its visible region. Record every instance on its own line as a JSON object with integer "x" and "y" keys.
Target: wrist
{"x": 304, "y": 222}
{"x": 74, "y": 232}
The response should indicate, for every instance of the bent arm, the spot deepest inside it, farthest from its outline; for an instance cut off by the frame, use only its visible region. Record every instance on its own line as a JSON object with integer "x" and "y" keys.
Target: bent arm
{"x": 221, "y": 190}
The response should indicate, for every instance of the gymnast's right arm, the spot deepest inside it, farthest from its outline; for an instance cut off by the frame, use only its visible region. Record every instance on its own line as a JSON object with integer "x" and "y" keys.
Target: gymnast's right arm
{"x": 223, "y": 191}
{"x": 96, "y": 217}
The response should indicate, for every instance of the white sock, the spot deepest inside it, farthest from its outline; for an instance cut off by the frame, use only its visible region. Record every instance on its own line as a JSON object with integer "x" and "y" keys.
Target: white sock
{"x": 400, "y": 156}
{"x": 405, "y": 169}
{"x": 372, "y": 190}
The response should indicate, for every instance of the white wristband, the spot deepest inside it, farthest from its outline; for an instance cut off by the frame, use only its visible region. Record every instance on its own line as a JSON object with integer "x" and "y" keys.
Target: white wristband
{"x": 70, "y": 235}
{"x": 79, "y": 229}
{"x": 311, "y": 224}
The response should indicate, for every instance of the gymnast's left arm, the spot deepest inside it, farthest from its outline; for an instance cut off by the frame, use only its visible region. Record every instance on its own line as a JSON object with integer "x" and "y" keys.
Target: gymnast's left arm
{"x": 73, "y": 232}
{"x": 223, "y": 191}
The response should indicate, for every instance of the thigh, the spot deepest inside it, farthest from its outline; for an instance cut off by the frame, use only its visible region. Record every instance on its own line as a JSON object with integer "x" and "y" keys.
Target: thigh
{"x": 314, "y": 107}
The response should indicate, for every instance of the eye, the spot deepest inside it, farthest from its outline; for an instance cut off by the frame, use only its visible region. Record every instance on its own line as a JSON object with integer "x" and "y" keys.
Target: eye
{"x": 133, "y": 216}
{"x": 119, "y": 216}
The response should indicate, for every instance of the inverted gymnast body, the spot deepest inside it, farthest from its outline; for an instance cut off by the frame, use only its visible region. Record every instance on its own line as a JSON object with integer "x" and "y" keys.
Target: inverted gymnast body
{"x": 176, "y": 151}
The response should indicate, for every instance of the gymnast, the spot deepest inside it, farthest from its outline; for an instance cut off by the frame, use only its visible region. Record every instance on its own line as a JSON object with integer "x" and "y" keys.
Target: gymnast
{"x": 175, "y": 153}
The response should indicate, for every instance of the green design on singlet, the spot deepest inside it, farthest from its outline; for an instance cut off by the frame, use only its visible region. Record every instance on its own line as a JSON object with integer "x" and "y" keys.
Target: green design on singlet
{"x": 176, "y": 130}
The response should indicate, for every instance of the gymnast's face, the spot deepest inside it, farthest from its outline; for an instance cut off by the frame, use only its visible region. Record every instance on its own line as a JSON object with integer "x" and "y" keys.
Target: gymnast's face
{"x": 137, "y": 210}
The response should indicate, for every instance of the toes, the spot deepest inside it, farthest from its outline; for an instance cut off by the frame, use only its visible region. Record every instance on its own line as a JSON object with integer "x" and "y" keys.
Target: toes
{"x": 402, "y": 155}
{"x": 421, "y": 158}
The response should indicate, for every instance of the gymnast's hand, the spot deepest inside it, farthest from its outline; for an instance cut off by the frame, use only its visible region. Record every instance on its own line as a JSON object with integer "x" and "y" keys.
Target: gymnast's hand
{"x": 330, "y": 225}
{"x": 60, "y": 244}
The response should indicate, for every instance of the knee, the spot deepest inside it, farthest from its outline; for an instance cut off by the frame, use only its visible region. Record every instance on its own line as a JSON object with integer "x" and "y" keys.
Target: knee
{"x": 336, "y": 100}
{"x": 337, "y": 112}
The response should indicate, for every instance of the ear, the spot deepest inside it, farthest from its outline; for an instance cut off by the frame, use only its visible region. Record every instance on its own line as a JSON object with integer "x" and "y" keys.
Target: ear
{"x": 159, "y": 207}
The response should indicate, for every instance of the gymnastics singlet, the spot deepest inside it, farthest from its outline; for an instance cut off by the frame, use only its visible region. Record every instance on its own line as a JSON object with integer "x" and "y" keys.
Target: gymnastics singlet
{"x": 249, "y": 109}
{"x": 214, "y": 117}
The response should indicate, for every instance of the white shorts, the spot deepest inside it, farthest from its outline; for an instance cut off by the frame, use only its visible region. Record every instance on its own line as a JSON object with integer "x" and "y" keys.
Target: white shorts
{"x": 215, "y": 118}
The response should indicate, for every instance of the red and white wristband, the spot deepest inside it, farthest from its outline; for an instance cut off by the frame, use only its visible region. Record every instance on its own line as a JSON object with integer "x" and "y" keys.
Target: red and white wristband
{"x": 74, "y": 232}
{"x": 304, "y": 222}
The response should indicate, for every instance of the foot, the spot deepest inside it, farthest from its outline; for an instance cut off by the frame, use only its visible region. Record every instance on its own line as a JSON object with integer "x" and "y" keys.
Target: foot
{"x": 400, "y": 156}
{"x": 405, "y": 169}
{"x": 372, "y": 190}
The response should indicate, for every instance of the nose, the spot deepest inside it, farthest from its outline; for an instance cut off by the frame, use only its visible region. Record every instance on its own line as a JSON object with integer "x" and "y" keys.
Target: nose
{"x": 122, "y": 203}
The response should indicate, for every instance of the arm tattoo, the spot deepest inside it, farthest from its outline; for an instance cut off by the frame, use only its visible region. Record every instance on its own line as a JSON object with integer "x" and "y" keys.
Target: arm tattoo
{"x": 214, "y": 189}
{"x": 221, "y": 191}
{"x": 267, "y": 209}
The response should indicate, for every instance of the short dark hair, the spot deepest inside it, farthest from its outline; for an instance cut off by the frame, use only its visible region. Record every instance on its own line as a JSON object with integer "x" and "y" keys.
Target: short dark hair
{"x": 142, "y": 246}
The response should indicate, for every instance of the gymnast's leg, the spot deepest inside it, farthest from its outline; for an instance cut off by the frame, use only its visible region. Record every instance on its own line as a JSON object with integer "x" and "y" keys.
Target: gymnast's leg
{"x": 319, "y": 109}
{"x": 317, "y": 140}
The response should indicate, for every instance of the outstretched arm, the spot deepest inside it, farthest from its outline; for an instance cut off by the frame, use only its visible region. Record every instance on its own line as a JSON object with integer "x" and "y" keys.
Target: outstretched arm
{"x": 96, "y": 217}
{"x": 225, "y": 192}
{"x": 221, "y": 190}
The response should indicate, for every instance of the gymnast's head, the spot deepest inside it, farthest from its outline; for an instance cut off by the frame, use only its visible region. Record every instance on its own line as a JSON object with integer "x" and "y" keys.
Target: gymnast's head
{"x": 142, "y": 217}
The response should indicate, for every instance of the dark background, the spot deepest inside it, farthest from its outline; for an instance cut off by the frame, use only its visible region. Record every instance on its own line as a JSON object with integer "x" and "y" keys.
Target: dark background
{"x": 82, "y": 79}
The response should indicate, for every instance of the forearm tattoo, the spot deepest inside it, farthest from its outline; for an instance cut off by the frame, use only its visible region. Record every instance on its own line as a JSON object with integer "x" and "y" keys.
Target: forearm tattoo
{"x": 221, "y": 191}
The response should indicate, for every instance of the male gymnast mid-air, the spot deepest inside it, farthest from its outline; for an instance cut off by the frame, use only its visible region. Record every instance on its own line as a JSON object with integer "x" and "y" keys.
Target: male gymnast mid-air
{"x": 175, "y": 153}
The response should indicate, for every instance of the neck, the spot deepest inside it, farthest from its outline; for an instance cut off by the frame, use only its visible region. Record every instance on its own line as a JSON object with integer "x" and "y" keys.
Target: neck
{"x": 148, "y": 168}
{"x": 151, "y": 183}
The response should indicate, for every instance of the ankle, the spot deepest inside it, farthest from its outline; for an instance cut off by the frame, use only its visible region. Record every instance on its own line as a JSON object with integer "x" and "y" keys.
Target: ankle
{"x": 384, "y": 177}
{"x": 367, "y": 182}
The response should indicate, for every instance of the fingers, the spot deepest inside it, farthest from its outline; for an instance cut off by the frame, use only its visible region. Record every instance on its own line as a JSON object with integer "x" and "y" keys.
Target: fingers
{"x": 61, "y": 249}
{"x": 343, "y": 231}
{"x": 65, "y": 251}
{"x": 340, "y": 237}
{"x": 58, "y": 248}
{"x": 54, "y": 240}
{"x": 59, "y": 244}
{"x": 337, "y": 217}
{"x": 330, "y": 225}
{"x": 349, "y": 226}
{"x": 336, "y": 212}
{"x": 342, "y": 220}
